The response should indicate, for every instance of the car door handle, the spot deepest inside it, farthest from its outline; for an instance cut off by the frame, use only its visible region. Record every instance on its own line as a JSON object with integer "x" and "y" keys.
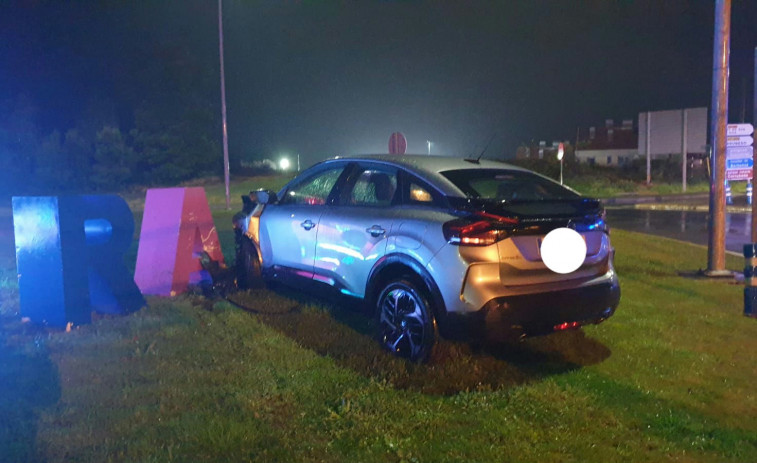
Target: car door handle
{"x": 375, "y": 231}
{"x": 308, "y": 224}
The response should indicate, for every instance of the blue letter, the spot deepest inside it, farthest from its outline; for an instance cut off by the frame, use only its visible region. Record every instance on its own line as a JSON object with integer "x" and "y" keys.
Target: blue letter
{"x": 69, "y": 256}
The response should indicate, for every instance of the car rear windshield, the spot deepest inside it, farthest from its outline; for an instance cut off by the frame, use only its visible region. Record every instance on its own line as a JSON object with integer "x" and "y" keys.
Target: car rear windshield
{"x": 507, "y": 185}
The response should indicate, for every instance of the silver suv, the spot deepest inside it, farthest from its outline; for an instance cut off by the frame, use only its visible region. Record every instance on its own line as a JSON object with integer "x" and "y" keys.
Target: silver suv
{"x": 435, "y": 245}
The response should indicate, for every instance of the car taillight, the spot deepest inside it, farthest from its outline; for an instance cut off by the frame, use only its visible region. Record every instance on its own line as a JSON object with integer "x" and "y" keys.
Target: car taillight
{"x": 482, "y": 232}
{"x": 567, "y": 326}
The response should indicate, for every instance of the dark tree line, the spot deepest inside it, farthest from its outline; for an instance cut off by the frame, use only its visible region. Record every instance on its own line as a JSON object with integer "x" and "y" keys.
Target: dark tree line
{"x": 125, "y": 95}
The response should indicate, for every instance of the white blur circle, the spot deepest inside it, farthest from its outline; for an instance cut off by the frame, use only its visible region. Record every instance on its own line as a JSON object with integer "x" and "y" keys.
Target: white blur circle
{"x": 563, "y": 250}
{"x": 284, "y": 164}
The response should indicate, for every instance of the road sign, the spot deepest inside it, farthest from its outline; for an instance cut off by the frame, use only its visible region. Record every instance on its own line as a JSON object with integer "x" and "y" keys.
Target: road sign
{"x": 738, "y": 174}
{"x": 742, "y": 140}
{"x": 739, "y": 129}
{"x": 560, "y": 151}
{"x": 397, "y": 143}
{"x": 737, "y": 152}
{"x": 744, "y": 163}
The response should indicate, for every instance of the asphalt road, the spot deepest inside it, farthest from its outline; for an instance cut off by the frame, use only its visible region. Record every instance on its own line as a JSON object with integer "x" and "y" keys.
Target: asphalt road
{"x": 688, "y": 226}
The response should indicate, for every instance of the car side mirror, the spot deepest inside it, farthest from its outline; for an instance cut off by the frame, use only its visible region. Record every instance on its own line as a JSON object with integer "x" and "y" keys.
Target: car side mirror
{"x": 263, "y": 196}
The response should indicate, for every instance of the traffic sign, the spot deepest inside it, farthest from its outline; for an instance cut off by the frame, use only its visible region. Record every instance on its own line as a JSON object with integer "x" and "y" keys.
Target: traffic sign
{"x": 742, "y": 140}
{"x": 735, "y": 152}
{"x": 397, "y": 143}
{"x": 738, "y": 174}
{"x": 744, "y": 163}
{"x": 739, "y": 129}
{"x": 560, "y": 151}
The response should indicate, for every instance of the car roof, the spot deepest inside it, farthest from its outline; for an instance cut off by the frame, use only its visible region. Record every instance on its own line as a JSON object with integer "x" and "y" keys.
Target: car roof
{"x": 429, "y": 168}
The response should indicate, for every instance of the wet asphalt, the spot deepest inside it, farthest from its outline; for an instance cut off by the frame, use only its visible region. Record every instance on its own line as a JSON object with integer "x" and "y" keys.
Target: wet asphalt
{"x": 685, "y": 220}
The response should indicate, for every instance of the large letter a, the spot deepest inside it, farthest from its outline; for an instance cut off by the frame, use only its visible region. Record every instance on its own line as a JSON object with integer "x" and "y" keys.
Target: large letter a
{"x": 176, "y": 228}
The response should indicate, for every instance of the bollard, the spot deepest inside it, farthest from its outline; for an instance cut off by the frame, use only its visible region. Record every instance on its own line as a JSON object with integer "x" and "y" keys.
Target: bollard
{"x": 750, "y": 280}
{"x": 749, "y": 193}
{"x": 728, "y": 197}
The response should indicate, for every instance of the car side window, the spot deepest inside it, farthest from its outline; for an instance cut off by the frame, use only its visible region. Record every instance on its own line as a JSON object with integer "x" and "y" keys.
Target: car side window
{"x": 373, "y": 187}
{"x": 313, "y": 190}
{"x": 418, "y": 192}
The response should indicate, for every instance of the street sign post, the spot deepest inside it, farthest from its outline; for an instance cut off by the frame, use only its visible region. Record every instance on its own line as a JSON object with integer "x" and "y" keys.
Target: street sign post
{"x": 745, "y": 163}
{"x": 739, "y": 152}
{"x": 735, "y": 130}
{"x": 739, "y": 174}
{"x": 742, "y": 140}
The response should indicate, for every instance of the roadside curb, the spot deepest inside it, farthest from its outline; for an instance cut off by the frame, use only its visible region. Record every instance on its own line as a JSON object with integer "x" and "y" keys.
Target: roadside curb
{"x": 690, "y": 207}
{"x": 643, "y": 199}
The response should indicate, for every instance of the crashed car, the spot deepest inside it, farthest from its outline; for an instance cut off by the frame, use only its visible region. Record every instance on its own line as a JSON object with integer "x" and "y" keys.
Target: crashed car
{"x": 433, "y": 245}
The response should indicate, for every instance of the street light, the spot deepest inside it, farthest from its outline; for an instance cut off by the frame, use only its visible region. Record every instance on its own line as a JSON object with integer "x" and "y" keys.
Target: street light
{"x": 284, "y": 164}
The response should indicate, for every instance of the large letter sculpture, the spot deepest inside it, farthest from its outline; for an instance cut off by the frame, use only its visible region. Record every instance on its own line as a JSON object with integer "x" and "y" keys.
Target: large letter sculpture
{"x": 177, "y": 227}
{"x": 69, "y": 257}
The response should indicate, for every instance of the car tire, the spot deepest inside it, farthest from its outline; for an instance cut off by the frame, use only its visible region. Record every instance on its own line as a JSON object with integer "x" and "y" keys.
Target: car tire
{"x": 406, "y": 324}
{"x": 249, "y": 273}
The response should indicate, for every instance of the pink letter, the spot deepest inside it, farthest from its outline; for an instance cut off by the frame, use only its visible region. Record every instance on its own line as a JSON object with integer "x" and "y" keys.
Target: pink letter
{"x": 176, "y": 228}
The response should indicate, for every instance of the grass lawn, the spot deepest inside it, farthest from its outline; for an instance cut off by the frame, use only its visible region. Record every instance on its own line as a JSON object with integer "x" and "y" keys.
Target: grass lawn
{"x": 607, "y": 188}
{"x": 671, "y": 377}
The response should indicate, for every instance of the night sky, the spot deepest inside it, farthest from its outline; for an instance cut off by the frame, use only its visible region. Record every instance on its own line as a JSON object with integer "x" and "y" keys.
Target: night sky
{"x": 323, "y": 78}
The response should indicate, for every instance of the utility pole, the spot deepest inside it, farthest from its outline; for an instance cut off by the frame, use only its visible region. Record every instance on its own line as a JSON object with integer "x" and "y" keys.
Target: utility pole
{"x": 684, "y": 146}
{"x": 719, "y": 119}
{"x": 649, "y": 147}
{"x": 754, "y": 153}
{"x": 223, "y": 108}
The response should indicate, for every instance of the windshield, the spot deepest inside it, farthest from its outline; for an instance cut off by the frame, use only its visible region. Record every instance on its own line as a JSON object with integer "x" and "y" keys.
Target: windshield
{"x": 507, "y": 185}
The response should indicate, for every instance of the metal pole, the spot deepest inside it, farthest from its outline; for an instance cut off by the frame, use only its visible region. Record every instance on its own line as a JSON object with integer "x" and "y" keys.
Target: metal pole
{"x": 684, "y": 148}
{"x": 754, "y": 154}
{"x": 718, "y": 120}
{"x": 649, "y": 147}
{"x": 223, "y": 108}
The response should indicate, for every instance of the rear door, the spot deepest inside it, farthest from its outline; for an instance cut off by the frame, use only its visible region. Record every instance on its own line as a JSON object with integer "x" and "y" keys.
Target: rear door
{"x": 352, "y": 235}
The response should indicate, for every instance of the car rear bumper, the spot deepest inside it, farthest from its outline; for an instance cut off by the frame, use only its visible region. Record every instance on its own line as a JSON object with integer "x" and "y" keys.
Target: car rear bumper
{"x": 512, "y": 317}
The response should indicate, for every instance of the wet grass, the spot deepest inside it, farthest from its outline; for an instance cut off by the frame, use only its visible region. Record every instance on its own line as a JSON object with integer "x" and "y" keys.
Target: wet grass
{"x": 345, "y": 335}
{"x": 599, "y": 187}
{"x": 292, "y": 377}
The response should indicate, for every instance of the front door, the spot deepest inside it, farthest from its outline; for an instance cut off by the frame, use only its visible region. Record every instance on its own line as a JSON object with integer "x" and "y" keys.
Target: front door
{"x": 289, "y": 227}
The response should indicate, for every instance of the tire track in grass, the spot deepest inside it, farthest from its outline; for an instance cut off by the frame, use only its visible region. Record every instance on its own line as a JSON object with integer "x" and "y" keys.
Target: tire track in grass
{"x": 342, "y": 334}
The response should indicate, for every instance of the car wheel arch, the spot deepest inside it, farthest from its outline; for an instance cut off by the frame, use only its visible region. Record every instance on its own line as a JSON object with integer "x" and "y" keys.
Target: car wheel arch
{"x": 245, "y": 245}
{"x": 393, "y": 266}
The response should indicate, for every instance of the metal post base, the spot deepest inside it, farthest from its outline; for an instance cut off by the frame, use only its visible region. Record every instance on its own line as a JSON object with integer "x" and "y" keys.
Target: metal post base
{"x": 750, "y": 301}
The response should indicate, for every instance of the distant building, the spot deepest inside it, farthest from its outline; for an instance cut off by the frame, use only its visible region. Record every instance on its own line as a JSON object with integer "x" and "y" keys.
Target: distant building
{"x": 611, "y": 145}
{"x": 616, "y": 145}
{"x": 541, "y": 150}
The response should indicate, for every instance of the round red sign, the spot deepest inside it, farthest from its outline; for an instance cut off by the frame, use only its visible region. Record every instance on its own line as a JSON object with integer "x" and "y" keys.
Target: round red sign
{"x": 397, "y": 143}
